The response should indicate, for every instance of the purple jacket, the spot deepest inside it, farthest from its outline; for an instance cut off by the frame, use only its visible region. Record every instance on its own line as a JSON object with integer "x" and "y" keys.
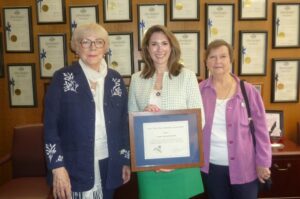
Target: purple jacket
{"x": 241, "y": 153}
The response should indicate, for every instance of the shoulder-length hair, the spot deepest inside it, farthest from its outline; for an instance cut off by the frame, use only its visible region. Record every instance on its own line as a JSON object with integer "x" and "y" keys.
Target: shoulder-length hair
{"x": 174, "y": 66}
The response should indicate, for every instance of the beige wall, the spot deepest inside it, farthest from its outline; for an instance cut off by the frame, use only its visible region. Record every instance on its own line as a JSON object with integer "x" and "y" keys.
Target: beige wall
{"x": 10, "y": 117}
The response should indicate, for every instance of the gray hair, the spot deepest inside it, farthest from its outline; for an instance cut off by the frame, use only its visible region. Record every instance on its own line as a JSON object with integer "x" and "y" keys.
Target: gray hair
{"x": 86, "y": 30}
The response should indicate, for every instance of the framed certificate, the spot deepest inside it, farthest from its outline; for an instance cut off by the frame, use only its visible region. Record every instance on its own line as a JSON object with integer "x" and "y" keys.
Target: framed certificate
{"x": 286, "y": 25}
{"x": 21, "y": 85}
{"x": 120, "y": 55}
{"x": 149, "y": 15}
{"x": 285, "y": 80}
{"x": 50, "y": 11}
{"x": 182, "y": 10}
{"x": 259, "y": 87}
{"x": 1, "y": 57}
{"x": 117, "y": 10}
{"x": 253, "y": 52}
{"x": 189, "y": 44}
{"x": 141, "y": 65}
{"x": 166, "y": 139}
{"x": 275, "y": 122}
{"x": 219, "y": 22}
{"x": 52, "y": 53}
{"x": 253, "y": 9}
{"x": 83, "y": 15}
{"x": 18, "y": 30}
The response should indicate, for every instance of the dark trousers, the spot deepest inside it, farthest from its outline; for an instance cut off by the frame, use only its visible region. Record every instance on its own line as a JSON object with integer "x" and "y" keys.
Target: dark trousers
{"x": 107, "y": 193}
{"x": 217, "y": 185}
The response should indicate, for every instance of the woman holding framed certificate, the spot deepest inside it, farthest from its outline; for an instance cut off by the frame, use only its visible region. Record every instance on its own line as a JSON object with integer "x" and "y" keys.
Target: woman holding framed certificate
{"x": 86, "y": 130}
{"x": 164, "y": 84}
{"x": 234, "y": 160}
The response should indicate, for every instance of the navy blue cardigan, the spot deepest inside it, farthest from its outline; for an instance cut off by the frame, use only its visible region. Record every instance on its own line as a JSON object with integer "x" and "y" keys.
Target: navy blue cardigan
{"x": 70, "y": 127}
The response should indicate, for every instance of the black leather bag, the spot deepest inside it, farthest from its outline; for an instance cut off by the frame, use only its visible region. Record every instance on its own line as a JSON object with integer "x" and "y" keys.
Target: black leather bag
{"x": 268, "y": 182}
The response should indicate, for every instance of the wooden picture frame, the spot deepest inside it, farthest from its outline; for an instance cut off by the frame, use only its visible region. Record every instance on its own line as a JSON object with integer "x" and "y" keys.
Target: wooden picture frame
{"x": 51, "y": 11}
{"x": 184, "y": 10}
{"x": 117, "y": 11}
{"x": 253, "y": 10}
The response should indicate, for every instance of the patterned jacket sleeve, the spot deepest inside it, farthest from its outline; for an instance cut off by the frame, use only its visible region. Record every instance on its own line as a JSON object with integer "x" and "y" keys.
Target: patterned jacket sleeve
{"x": 54, "y": 155}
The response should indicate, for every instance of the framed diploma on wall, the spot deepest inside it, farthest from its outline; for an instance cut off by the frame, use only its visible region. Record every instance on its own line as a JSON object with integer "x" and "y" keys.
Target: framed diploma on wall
{"x": 253, "y": 9}
{"x": 21, "y": 85}
{"x": 219, "y": 23}
{"x": 52, "y": 53}
{"x": 275, "y": 122}
{"x": 50, "y": 11}
{"x": 285, "y": 80}
{"x": 120, "y": 54}
{"x": 149, "y": 15}
{"x": 286, "y": 25}
{"x": 18, "y": 30}
{"x": 184, "y": 10}
{"x": 189, "y": 44}
{"x": 165, "y": 139}
{"x": 117, "y": 10}
{"x": 83, "y": 15}
{"x": 253, "y": 52}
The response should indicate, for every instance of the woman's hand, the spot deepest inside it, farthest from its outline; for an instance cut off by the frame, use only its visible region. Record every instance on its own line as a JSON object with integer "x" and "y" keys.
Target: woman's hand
{"x": 152, "y": 108}
{"x": 61, "y": 184}
{"x": 126, "y": 174}
{"x": 263, "y": 173}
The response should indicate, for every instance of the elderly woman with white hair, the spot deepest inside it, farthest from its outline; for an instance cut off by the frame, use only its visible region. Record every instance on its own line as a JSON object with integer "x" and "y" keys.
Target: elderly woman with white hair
{"x": 86, "y": 130}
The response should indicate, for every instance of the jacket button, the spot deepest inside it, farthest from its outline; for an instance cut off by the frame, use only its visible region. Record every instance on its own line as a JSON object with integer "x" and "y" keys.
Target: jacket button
{"x": 230, "y": 142}
{"x": 232, "y": 158}
{"x": 229, "y": 125}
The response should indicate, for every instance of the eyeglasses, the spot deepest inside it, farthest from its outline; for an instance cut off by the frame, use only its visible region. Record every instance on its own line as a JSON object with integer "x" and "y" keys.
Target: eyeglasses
{"x": 86, "y": 43}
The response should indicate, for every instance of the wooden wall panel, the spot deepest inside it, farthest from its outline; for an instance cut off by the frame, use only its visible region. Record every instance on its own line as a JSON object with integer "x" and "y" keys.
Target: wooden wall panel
{"x": 10, "y": 117}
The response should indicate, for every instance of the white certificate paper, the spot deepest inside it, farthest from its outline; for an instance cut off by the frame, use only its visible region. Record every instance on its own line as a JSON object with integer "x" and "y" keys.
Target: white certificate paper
{"x": 287, "y": 25}
{"x": 52, "y": 54}
{"x": 184, "y": 9}
{"x": 120, "y": 53}
{"x": 83, "y": 15}
{"x": 166, "y": 139}
{"x": 189, "y": 50}
{"x": 117, "y": 10}
{"x": 21, "y": 86}
{"x": 253, "y": 53}
{"x": 50, "y": 11}
{"x": 253, "y": 9}
{"x": 286, "y": 82}
{"x": 220, "y": 23}
{"x": 17, "y": 27}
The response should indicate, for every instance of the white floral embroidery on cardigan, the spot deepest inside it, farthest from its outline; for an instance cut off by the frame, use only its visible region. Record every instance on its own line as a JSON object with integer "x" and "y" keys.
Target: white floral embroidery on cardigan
{"x": 50, "y": 150}
{"x": 70, "y": 84}
{"x": 59, "y": 158}
{"x": 116, "y": 90}
{"x": 125, "y": 153}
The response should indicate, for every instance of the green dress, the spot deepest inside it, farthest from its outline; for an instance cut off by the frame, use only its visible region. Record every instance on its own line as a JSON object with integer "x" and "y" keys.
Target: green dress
{"x": 177, "y": 184}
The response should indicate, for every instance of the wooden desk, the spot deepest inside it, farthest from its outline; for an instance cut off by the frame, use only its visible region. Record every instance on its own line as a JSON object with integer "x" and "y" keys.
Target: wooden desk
{"x": 285, "y": 172}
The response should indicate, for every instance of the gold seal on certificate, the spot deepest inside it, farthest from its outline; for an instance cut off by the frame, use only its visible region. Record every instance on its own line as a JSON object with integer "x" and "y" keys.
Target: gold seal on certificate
{"x": 280, "y": 86}
{"x": 247, "y": 60}
{"x": 179, "y": 6}
{"x": 214, "y": 31}
{"x": 114, "y": 64}
{"x": 112, "y": 5}
{"x": 281, "y": 35}
{"x": 247, "y": 3}
{"x": 18, "y": 91}
{"x": 48, "y": 66}
{"x": 45, "y": 8}
{"x": 14, "y": 38}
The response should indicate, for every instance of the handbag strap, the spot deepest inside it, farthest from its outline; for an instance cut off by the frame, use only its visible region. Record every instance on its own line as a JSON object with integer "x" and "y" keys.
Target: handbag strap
{"x": 251, "y": 125}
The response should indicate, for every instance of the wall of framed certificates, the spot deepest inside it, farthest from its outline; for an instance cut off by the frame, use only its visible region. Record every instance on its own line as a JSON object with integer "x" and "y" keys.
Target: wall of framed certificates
{"x": 35, "y": 35}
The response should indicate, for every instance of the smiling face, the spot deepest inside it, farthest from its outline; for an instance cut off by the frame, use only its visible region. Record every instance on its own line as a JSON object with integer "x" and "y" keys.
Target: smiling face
{"x": 159, "y": 49}
{"x": 93, "y": 54}
{"x": 218, "y": 61}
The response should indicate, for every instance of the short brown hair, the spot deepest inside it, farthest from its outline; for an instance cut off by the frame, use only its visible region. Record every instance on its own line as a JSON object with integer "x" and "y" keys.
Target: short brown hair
{"x": 216, "y": 44}
{"x": 173, "y": 63}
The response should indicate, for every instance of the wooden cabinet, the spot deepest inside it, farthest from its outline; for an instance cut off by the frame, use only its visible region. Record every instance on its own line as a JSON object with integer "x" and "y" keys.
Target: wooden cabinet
{"x": 285, "y": 172}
